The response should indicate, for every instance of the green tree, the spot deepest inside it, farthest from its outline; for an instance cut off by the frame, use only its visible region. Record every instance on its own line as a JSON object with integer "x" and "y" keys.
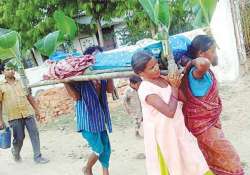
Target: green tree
{"x": 203, "y": 11}
{"x": 10, "y": 43}
{"x": 66, "y": 33}
{"x": 182, "y": 17}
{"x": 33, "y": 19}
{"x": 138, "y": 24}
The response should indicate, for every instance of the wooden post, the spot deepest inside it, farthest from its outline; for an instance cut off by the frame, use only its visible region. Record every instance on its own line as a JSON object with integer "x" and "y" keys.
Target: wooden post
{"x": 235, "y": 11}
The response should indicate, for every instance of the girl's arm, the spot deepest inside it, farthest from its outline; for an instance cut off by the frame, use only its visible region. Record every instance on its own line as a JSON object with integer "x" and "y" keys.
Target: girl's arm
{"x": 167, "y": 109}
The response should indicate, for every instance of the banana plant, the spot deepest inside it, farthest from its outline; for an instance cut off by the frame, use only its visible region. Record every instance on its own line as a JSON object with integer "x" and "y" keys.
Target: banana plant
{"x": 203, "y": 10}
{"x": 10, "y": 50}
{"x": 159, "y": 13}
{"x": 10, "y": 44}
{"x": 67, "y": 30}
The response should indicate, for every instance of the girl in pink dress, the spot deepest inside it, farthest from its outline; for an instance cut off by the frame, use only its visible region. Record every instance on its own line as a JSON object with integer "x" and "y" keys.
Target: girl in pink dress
{"x": 169, "y": 147}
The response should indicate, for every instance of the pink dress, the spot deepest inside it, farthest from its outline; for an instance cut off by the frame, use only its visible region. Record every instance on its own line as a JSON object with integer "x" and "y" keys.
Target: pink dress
{"x": 177, "y": 145}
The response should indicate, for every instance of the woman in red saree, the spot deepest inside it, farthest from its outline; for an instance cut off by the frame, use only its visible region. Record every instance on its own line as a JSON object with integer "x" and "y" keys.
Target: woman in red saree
{"x": 203, "y": 107}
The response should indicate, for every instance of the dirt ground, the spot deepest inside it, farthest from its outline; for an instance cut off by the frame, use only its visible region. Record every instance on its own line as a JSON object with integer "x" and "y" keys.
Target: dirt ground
{"x": 67, "y": 150}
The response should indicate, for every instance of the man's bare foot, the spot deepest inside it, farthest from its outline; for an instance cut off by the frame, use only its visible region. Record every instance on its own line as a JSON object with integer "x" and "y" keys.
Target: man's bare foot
{"x": 87, "y": 171}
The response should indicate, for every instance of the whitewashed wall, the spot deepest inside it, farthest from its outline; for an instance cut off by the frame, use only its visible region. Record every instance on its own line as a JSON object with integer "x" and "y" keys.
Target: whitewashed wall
{"x": 223, "y": 31}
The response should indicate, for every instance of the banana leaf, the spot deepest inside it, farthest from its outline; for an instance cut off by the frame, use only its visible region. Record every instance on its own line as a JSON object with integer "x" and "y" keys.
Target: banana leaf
{"x": 208, "y": 7}
{"x": 9, "y": 44}
{"x": 158, "y": 11}
{"x": 162, "y": 12}
{"x": 149, "y": 6}
{"x": 199, "y": 21}
{"x": 47, "y": 46}
{"x": 65, "y": 25}
{"x": 203, "y": 9}
{"x": 67, "y": 30}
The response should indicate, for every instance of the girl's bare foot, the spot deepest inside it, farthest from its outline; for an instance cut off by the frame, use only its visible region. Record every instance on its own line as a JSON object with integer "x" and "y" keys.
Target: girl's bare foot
{"x": 87, "y": 171}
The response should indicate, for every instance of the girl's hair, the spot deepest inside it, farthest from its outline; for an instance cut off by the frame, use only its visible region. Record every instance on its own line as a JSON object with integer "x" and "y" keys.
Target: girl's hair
{"x": 92, "y": 49}
{"x": 140, "y": 60}
{"x": 200, "y": 43}
{"x": 135, "y": 79}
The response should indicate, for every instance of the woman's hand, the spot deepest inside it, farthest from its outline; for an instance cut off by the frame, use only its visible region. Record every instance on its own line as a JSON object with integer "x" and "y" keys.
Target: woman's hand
{"x": 173, "y": 79}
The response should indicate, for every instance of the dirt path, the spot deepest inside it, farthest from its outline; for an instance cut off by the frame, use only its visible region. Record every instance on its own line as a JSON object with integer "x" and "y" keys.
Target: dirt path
{"x": 236, "y": 117}
{"x": 67, "y": 151}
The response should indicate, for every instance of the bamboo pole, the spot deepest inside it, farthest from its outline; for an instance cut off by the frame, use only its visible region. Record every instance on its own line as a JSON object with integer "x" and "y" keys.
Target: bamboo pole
{"x": 88, "y": 77}
{"x": 108, "y": 71}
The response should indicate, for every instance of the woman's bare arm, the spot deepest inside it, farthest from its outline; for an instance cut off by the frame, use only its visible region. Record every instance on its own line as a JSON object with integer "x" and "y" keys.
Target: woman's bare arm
{"x": 202, "y": 66}
{"x": 110, "y": 86}
{"x": 72, "y": 91}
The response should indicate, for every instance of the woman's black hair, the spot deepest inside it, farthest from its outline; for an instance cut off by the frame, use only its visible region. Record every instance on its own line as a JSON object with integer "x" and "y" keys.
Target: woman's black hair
{"x": 200, "y": 43}
{"x": 140, "y": 60}
{"x": 92, "y": 49}
{"x": 135, "y": 79}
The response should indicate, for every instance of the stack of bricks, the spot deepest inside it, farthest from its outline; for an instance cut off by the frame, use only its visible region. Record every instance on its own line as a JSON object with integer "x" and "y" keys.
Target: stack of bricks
{"x": 54, "y": 102}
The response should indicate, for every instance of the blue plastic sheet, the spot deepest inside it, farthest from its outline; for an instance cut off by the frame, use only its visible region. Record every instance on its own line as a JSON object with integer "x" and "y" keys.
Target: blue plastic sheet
{"x": 60, "y": 55}
{"x": 179, "y": 45}
{"x": 121, "y": 57}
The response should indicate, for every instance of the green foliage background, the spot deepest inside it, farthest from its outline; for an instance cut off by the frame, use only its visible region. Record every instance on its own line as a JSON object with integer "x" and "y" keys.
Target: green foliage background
{"x": 33, "y": 19}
